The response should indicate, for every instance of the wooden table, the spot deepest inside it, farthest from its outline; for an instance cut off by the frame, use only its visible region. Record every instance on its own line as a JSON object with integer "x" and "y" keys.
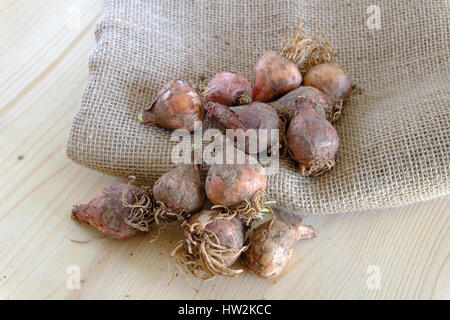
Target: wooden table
{"x": 397, "y": 253}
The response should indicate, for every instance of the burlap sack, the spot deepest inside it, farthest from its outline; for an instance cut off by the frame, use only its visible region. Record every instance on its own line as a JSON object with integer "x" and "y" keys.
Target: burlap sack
{"x": 394, "y": 137}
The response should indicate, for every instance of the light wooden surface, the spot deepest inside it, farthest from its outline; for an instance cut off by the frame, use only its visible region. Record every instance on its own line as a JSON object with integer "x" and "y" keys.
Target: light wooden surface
{"x": 43, "y": 71}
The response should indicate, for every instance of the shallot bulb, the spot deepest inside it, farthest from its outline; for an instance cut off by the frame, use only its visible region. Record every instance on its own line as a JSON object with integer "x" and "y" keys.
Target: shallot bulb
{"x": 274, "y": 76}
{"x": 229, "y": 88}
{"x": 181, "y": 189}
{"x": 291, "y": 103}
{"x": 178, "y": 105}
{"x": 255, "y": 116}
{"x": 312, "y": 141}
{"x": 212, "y": 243}
{"x": 231, "y": 184}
{"x": 108, "y": 212}
{"x": 271, "y": 245}
{"x": 175, "y": 195}
{"x": 331, "y": 80}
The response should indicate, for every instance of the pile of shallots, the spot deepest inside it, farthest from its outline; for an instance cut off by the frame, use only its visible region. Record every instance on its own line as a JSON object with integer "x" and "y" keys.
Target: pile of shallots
{"x": 216, "y": 233}
{"x": 298, "y": 91}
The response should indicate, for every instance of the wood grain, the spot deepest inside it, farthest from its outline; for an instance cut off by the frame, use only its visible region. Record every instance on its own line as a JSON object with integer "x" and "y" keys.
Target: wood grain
{"x": 43, "y": 65}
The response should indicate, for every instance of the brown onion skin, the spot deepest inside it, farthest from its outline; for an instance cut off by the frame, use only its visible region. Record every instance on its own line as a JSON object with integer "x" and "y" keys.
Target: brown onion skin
{"x": 230, "y": 232}
{"x": 229, "y": 88}
{"x": 311, "y": 138}
{"x": 106, "y": 212}
{"x": 271, "y": 245}
{"x": 274, "y": 76}
{"x": 231, "y": 184}
{"x": 331, "y": 80}
{"x": 177, "y": 106}
{"x": 256, "y": 115}
{"x": 287, "y": 105}
{"x": 181, "y": 189}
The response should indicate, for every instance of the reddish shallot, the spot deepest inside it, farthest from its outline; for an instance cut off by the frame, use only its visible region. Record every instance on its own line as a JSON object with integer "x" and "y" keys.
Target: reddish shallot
{"x": 274, "y": 76}
{"x": 178, "y": 105}
{"x": 277, "y": 73}
{"x": 107, "y": 212}
{"x": 238, "y": 189}
{"x": 290, "y": 104}
{"x": 312, "y": 141}
{"x": 121, "y": 210}
{"x": 228, "y": 88}
{"x": 256, "y": 117}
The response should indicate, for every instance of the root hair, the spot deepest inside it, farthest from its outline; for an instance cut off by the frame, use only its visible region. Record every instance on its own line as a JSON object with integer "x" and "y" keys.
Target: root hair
{"x": 307, "y": 50}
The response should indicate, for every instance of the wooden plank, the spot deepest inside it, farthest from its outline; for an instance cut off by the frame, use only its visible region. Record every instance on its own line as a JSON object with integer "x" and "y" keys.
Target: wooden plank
{"x": 44, "y": 71}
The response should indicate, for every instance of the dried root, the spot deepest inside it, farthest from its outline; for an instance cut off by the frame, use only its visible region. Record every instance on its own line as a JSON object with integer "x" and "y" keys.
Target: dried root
{"x": 316, "y": 168}
{"x": 201, "y": 253}
{"x": 206, "y": 91}
{"x": 336, "y": 111}
{"x": 248, "y": 210}
{"x": 146, "y": 213}
{"x": 307, "y": 50}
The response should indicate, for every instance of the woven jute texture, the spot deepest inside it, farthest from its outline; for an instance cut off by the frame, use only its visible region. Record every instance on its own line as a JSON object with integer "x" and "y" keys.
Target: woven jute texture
{"x": 394, "y": 136}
